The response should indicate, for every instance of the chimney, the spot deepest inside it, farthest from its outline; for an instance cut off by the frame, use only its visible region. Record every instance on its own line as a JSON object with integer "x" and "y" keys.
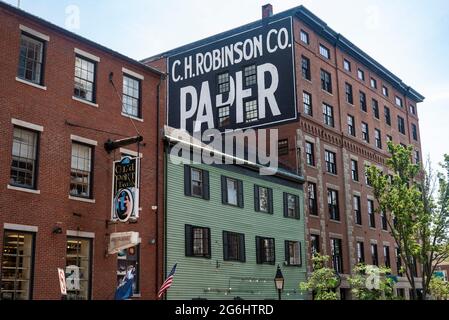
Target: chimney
{"x": 267, "y": 11}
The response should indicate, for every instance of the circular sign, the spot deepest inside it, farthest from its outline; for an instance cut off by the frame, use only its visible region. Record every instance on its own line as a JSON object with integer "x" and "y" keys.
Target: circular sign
{"x": 124, "y": 204}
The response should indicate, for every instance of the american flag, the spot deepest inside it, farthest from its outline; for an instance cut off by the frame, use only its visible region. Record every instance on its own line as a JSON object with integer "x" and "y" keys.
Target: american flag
{"x": 167, "y": 283}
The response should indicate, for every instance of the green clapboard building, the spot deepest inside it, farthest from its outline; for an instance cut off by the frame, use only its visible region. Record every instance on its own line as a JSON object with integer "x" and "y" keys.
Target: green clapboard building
{"x": 228, "y": 228}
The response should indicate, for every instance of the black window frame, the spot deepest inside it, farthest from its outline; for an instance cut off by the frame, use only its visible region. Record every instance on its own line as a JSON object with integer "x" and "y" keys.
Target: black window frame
{"x": 304, "y": 37}
{"x": 323, "y": 49}
{"x": 223, "y": 82}
{"x": 283, "y": 147}
{"x": 94, "y": 83}
{"x": 41, "y": 81}
{"x": 360, "y": 74}
{"x": 310, "y": 156}
{"x": 355, "y": 170}
{"x": 385, "y": 91}
{"x": 307, "y": 102}
{"x": 305, "y": 68}
{"x": 270, "y": 203}
{"x": 326, "y": 81}
{"x": 351, "y": 125}
{"x": 250, "y": 75}
{"x": 414, "y": 132}
{"x": 188, "y": 183}
{"x": 328, "y": 115}
{"x": 239, "y": 192}
{"x": 333, "y": 204}
{"x": 378, "y": 138}
{"x": 337, "y": 254}
{"x": 139, "y": 105}
{"x": 241, "y": 250}
{"x": 347, "y": 63}
{"x": 357, "y": 210}
{"x": 312, "y": 200}
{"x": 373, "y": 83}
{"x": 360, "y": 250}
{"x": 314, "y": 243}
{"x": 287, "y": 253}
{"x": 365, "y": 132}
{"x": 387, "y": 115}
{"x": 387, "y": 259}
{"x": 401, "y": 125}
{"x": 297, "y": 208}
{"x": 189, "y": 241}
{"x": 330, "y": 158}
{"x": 261, "y": 257}
{"x": 92, "y": 167}
{"x": 371, "y": 213}
{"x": 348, "y": 93}
{"x": 375, "y": 106}
{"x": 374, "y": 254}
{"x": 363, "y": 104}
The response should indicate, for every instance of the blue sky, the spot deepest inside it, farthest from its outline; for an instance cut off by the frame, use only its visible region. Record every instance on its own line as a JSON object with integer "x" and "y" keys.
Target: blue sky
{"x": 407, "y": 37}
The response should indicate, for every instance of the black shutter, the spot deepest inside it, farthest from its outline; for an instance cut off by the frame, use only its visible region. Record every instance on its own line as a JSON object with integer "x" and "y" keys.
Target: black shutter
{"x": 207, "y": 231}
{"x": 224, "y": 190}
{"x": 274, "y": 252}
{"x": 297, "y": 212}
{"x": 240, "y": 193}
{"x": 285, "y": 204}
{"x": 270, "y": 200}
{"x": 256, "y": 198}
{"x": 225, "y": 245}
{"x": 242, "y": 252}
{"x": 188, "y": 240}
{"x": 300, "y": 254}
{"x": 187, "y": 181}
{"x": 206, "y": 192}
{"x": 287, "y": 252}
{"x": 258, "y": 250}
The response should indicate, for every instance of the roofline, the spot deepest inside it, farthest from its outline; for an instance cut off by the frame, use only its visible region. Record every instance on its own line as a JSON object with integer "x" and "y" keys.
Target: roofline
{"x": 322, "y": 29}
{"x": 45, "y": 23}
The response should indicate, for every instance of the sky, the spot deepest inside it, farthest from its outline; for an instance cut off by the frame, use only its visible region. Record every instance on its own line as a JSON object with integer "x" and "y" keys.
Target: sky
{"x": 408, "y": 37}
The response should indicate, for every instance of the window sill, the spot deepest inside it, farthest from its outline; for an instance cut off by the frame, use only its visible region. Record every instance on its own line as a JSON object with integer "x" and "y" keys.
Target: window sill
{"x": 10, "y": 187}
{"x": 314, "y": 216}
{"x": 331, "y": 174}
{"x": 31, "y": 83}
{"x": 85, "y": 102}
{"x": 371, "y": 228}
{"x": 132, "y": 117}
{"x": 307, "y": 80}
{"x": 329, "y": 93}
{"x": 335, "y": 221}
{"x": 358, "y": 225}
{"x": 136, "y": 295}
{"x": 82, "y": 199}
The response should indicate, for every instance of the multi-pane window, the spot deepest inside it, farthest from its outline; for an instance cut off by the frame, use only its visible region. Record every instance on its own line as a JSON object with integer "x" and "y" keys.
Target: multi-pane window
{"x": 326, "y": 81}
{"x": 351, "y": 125}
{"x": 412, "y": 109}
{"x": 331, "y": 161}
{"x": 357, "y": 210}
{"x": 17, "y": 265}
{"x": 197, "y": 241}
{"x": 378, "y": 138}
{"x": 348, "y": 93}
{"x": 265, "y": 250}
{"x": 387, "y": 261}
{"x": 372, "y": 218}
{"x": 363, "y": 101}
{"x": 250, "y": 75}
{"x": 332, "y": 202}
{"x": 313, "y": 203}
{"x": 328, "y": 115}
{"x": 78, "y": 266}
{"x": 347, "y": 65}
{"x": 389, "y": 138}
{"x": 293, "y": 253}
{"x": 354, "y": 170}
{"x": 325, "y": 52}
{"x": 224, "y": 117}
{"x": 304, "y": 36}
{"x": 31, "y": 59}
{"x": 401, "y": 125}
{"x": 387, "y": 115}
{"x": 223, "y": 83}
{"x": 84, "y": 79}
{"x": 263, "y": 199}
{"x": 251, "y": 111}
{"x": 398, "y": 101}
{"x": 360, "y": 252}
{"x": 24, "y": 158}
{"x": 367, "y": 179}
{"x": 307, "y": 100}
{"x": 128, "y": 260}
{"x": 398, "y": 262}
{"x": 314, "y": 243}
{"x": 383, "y": 219}
{"x": 310, "y": 154}
{"x": 233, "y": 246}
{"x": 361, "y": 74}
{"x": 283, "y": 147}
{"x": 305, "y": 68}
{"x": 232, "y": 191}
{"x": 414, "y": 132}
{"x": 385, "y": 91}
{"x": 81, "y": 171}
{"x": 337, "y": 255}
{"x": 291, "y": 206}
{"x": 373, "y": 83}
{"x": 374, "y": 255}
{"x": 131, "y": 97}
{"x": 375, "y": 106}
{"x": 365, "y": 132}
{"x": 196, "y": 182}
{"x": 417, "y": 157}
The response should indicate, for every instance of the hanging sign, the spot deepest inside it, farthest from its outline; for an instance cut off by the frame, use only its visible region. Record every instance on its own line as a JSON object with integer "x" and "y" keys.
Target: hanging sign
{"x": 122, "y": 240}
{"x": 62, "y": 282}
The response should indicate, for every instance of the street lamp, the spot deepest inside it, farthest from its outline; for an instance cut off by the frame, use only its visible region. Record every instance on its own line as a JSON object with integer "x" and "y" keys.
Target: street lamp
{"x": 279, "y": 281}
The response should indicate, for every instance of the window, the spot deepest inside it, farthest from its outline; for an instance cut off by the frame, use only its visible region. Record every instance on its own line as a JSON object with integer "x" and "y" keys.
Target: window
{"x": 251, "y": 111}
{"x": 81, "y": 171}
{"x": 304, "y": 37}
{"x": 374, "y": 256}
{"x": 372, "y": 218}
{"x": 265, "y": 250}
{"x": 331, "y": 161}
{"x": 328, "y": 114}
{"x": 367, "y": 180}
{"x": 325, "y": 52}
{"x": 17, "y": 266}
{"x": 250, "y": 75}
{"x": 417, "y": 157}
{"x": 332, "y": 201}
{"x": 389, "y": 138}
{"x": 24, "y": 158}
{"x": 305, "y": 67}
{"x": 196, "y": 182}
{"x": 375, "y": 106}
{"x": 293, "y": 253}
{"x": 232, "y": 191}
{"x": 360, "y": 252}
{"x": 85, "y": 79}
{"x": 347, "y": 65}
{"x": 414, "y": 132}
{"x": 401, "y": 125}
{"x": 78, "y": 266}
{"x": 348, "y": 91}
{"x": 291, "y": 206}
{"x": 387, "y": 261}
{"x": 373, "y": 83}
{"x": 363, "y": 101}
{"x": 31, "y": 59}
{"x": 357, "y": 210}
{"x": 351, "y": 125}
{"x": 326, "y": 81}
{"x": 223, "y": 83}
{"x": 263, "y": 199}
{"x": 398, "y": 261}
{"x": 354, "y": 170}
{"x": 387, "y": 115}
{"x": 398, "y": 101}
{"x": 337, "y": 255}
{"x": 128, "y": 260}
{"x": 197, "y": 241}
{"x": 315, "y": 243}
{"x": 412, "y": 109}
{"x": 283, "y": 147}
{"x": 378, "y": 138}
{"x": 365, "y": 132}
{"x": 310, "y": 154}
{"x": 233, "y": 246}
{"x": 313, "y": 203}
{"x": 307, "y": 100}
{"x": 361, "y": 74}
{"x": 131, "y": 97}
{"x": 383, "y": 218}
{"x": 224, "y": 117}
{"x": 385, "y": 91}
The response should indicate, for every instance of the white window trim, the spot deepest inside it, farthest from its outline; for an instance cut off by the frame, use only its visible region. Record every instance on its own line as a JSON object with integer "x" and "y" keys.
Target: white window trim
{"x": 133, "y": 74}
{"x": 34, "y": 33}
{"x": 80, "y": 234}
{"x": 19, "y": 227}
{"x": 332, "y": 186}
{"x": 360, "y": 239}
{"x": 82, "y": 199}
{"x": 38, "y": 86}
{"x": 312, "y": 179}
{"x": 335, "y": 236}
{"x": 315, "y": 232}
{"x": 357, "y": 193}
{"x": 131, "y": 152}
{"x": 85, "y": 101}
{"x": 353, "y": 157}
{"x": 373, "y": 241}
{"x": 27, "y": 125}
{"x": 132, "y": 117}
{"x": 87, "y": 55}
{"x": 330, "y": 148}
{"x": 83, "y": 140}
{"x": 10, "y": 187}
{"x": 309, "y": 139}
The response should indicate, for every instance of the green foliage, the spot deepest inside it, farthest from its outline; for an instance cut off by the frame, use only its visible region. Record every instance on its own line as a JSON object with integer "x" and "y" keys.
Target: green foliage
{"x": 323, "y": 280}
{"x": 371, "y": 283}
{"x": 439, "y": 288}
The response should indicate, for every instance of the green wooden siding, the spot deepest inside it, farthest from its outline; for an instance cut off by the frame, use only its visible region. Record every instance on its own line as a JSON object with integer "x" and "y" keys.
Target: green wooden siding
{"x": 217, "y": 279}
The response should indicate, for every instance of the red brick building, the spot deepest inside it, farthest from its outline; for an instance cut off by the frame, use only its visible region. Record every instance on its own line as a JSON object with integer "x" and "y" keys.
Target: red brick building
{"x": 61, "y": 100}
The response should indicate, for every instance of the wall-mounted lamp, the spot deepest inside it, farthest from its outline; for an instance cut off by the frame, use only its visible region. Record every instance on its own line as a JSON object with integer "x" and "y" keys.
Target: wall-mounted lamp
{"x": 56, "y": 230}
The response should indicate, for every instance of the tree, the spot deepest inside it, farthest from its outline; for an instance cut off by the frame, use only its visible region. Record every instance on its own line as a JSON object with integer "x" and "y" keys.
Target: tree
{"x": 371, "y": 283}
{"x": 418, "y": 223}
{"x": 439, "y": 288}
{"x": 323, "y": 280}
